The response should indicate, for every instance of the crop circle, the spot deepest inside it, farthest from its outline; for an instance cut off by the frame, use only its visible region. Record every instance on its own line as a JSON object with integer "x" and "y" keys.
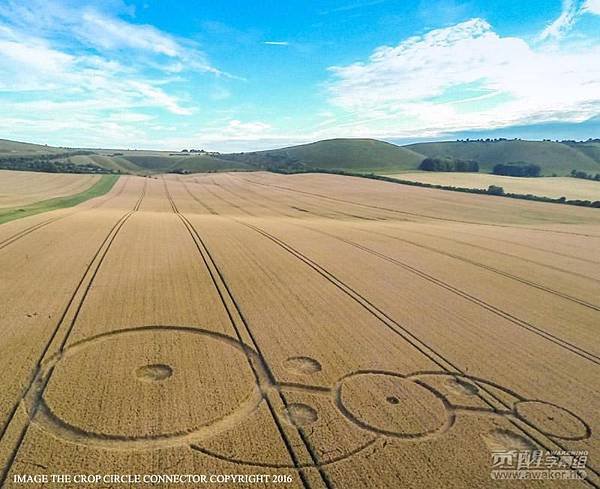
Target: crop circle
{"x": 187, "y": 384}
{"x": 552, "y": 420}
{"x": 392, "y": 405}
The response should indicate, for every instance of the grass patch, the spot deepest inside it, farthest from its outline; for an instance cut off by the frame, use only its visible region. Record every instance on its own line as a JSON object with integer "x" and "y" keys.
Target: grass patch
{"x": 101, "y": 187}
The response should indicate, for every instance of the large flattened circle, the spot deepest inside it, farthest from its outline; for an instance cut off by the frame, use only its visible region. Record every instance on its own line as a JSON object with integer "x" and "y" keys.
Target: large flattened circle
{"x": 553, "y": 420}
{"x": 149, "y": 383}
{"x": 392, "y": 405}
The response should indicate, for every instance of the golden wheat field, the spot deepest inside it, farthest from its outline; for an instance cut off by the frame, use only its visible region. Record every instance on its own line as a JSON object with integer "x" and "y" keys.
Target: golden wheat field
{"x": 324, "y": 331}
{"x": 22, "y": 188}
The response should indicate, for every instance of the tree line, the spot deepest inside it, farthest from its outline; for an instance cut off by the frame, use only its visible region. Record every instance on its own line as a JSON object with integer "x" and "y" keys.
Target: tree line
{"x": 449, "y": 164}
{"x": 584, "y": 175}
{"x": 50, "y": 164}
{"x": 517, "y": 169}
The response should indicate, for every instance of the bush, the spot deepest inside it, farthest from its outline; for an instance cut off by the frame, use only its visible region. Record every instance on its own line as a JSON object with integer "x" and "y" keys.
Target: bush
{"x": 517, "y": 169}
{"x": 448, "y": 164}
{"x": 495, "y": 190}
{"x": 584, "y": 175}
{"x": 49, "y": 164}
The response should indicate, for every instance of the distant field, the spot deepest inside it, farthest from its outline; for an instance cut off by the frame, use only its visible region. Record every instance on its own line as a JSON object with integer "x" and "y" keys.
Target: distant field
{"x": 97, "y": 186}
{"x": 18, "y": 188}
{"x": 343, "y": 331}
{"x": 571, "y": 188}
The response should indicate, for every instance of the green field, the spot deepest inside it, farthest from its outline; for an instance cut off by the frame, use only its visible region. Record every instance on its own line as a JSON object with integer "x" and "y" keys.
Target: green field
{"x": 104, "y": 185}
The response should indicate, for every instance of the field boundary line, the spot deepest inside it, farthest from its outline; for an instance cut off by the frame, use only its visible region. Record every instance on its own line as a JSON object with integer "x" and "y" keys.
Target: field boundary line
{"x": 297, "y": 209}
{"x": 82, "y": 290}
{"x": 404, "y": 333}
{"x": 426, "y": 350}
{"x": 203, "y": 204}
{"x": 516, "y": 257}
{"x": 497, "y": 271}
{"x": 480, "y": 302}
{"x": 498, "y": 252}
{"x": 551, "y": 252}
{"x": 414, "y": 214}
{"x": 235, "y": 312}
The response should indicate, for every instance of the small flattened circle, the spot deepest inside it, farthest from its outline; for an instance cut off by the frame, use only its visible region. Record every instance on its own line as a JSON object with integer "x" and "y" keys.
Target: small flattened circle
{"x": 302, "y": 365}
{"x": 462, "y": 387}
{"x": 300, "y": 414}
{"x": 503, "y": 440}
{"x": 154, "y": 373}
{"x": 392, "y": 405}
{"x": 553, "y": 420}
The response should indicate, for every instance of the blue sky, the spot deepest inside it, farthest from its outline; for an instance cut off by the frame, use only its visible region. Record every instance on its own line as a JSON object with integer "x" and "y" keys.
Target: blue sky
{"x": 240, "y": 75}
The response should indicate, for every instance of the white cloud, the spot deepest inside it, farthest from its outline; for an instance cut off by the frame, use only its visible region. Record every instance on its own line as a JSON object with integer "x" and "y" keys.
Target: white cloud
{"x": 592, "y": 7}
{"x": 112, "y": 33}
{"x": 235, "y": 129}
{"x": 159, "y": 97}
{"x": 417, "y": 85}
{"x": 88, "y": 27}
{"x": 32, "y": 65}
{"x": 82, "y": 73}
{"x": 277, "y": 43}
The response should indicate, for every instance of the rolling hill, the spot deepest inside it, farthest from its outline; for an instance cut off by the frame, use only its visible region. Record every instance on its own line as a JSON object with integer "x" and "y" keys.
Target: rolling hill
{"x": 16, "y": 148}
{"x": 336, "y": 154}
{"x": 552, "y": 157}
{"x": 589, "y": 148}
{"x": 207, "y": 163}
{"x": 17, "y": 155}
{"x": 354, "y": 155}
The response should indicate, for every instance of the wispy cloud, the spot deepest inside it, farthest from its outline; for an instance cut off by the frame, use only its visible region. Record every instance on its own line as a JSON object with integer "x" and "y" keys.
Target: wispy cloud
{"x": 570, "y": 13}
{"x": 276, "y": 43}
{"x": 558, "y": 27}
{"x": 85, "y": 27}
{"x": 83, "y": 70}
{"x": 414, "y": 87}
{"x": 352, "y": 6}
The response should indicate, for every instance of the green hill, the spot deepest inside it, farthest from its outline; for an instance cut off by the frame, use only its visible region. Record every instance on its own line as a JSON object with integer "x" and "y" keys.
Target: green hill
{"x": 114, "y": 163}
{"x": 356, "y": 155}
{"x": 152, "y": 163}
{"x": 17, "y": 148}
{"x": 199, "y": 163}
{"x": 206, "y": 163}
{"x": 368, "y": 155}
{"x": 552, "y": 157}
{"x": 589, "y": 148}
{"x": 35, "y": 157}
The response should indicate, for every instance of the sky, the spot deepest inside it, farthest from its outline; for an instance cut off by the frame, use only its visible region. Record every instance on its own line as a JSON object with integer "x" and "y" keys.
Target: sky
{"x": 247, "y": 75}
